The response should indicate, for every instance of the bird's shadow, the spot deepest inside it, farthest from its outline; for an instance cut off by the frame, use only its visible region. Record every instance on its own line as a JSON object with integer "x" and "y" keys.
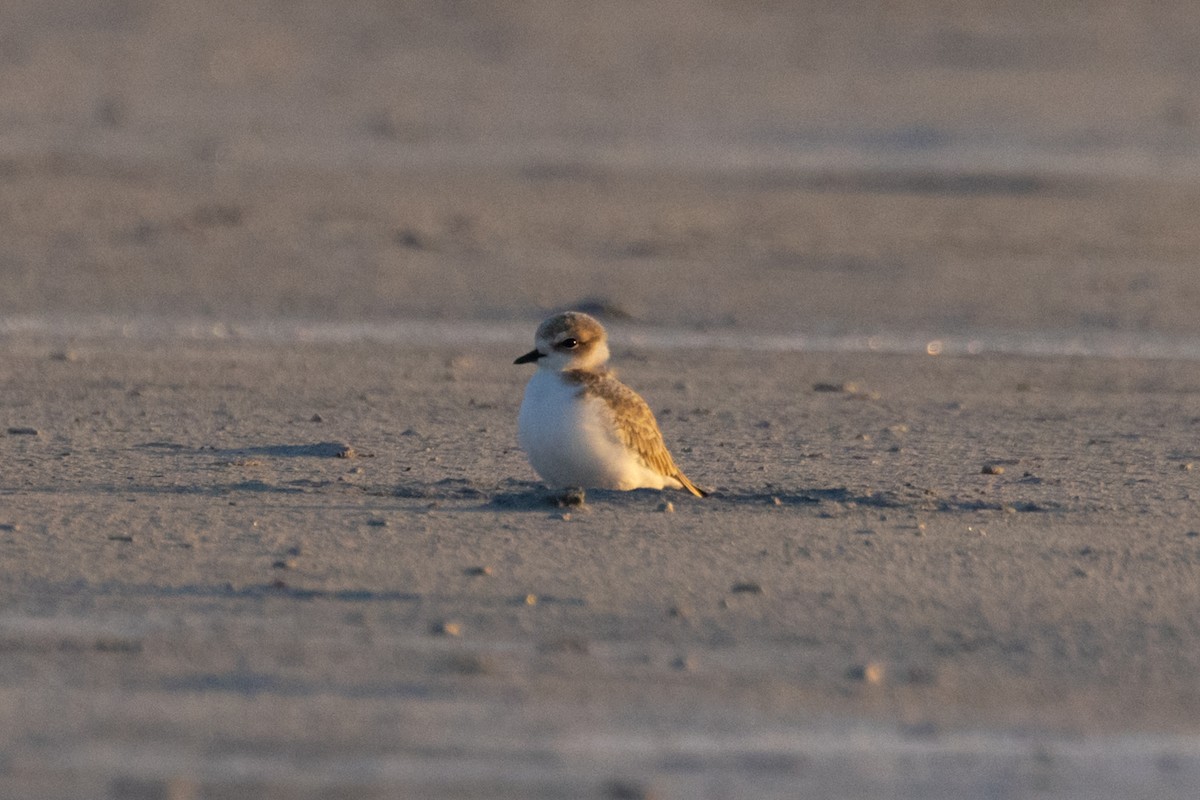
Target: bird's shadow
{"x": 529, "y": 496}
{"x": 526, "y": 496}
{"x": 532, "y": 496}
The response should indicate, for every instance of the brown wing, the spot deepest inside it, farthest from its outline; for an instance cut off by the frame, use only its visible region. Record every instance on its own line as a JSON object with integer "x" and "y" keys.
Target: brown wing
{"x": 635, "y": 424}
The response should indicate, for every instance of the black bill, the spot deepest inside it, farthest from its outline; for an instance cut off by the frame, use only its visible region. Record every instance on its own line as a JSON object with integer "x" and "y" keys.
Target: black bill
{"x": 529, "y": 358}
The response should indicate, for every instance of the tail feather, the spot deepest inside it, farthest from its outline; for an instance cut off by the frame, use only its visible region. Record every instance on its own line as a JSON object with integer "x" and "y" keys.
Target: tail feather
{"x": 691, "y": 487}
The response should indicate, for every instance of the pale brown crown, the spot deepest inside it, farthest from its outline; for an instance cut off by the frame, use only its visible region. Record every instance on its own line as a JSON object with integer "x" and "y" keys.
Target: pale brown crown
{"x": 575, "y": 324}
{"x": 571, "y": 340}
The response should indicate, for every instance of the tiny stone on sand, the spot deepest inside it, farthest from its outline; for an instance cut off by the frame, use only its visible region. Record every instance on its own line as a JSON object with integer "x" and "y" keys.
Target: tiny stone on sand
{"x": 871, "y": 673}
{"x": 446, "y": 628}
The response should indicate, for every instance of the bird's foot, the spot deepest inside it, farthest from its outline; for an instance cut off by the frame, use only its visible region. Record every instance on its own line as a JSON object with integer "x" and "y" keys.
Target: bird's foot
{"x": 571, "y": 497}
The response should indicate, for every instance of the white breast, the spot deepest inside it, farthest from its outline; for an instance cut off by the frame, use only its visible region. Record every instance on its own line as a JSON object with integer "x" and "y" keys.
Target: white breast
{"x": 570, "y": 439}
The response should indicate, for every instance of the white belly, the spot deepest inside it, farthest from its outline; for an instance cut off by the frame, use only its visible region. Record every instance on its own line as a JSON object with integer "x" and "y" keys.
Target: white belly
{"x": 570, "y": 439}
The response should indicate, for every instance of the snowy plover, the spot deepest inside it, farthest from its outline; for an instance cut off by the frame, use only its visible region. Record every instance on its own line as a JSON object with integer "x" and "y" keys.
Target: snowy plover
{"x": 579, "y": 425}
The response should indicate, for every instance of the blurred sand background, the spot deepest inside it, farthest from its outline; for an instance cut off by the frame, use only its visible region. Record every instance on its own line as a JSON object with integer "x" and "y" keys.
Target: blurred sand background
{"x": 816, "y": 166}
{"x": 264, "y": 528}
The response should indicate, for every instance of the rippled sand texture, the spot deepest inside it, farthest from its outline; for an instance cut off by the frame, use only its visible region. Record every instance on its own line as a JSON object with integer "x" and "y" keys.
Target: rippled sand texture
{"x": 236, "y": 568}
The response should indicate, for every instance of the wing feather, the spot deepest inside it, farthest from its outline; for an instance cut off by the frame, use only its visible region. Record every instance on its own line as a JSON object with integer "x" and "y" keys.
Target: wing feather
{"x": 635, "y": 424}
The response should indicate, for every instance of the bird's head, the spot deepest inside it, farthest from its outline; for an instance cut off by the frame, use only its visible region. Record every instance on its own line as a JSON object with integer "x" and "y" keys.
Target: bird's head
{"x": 571, "y": 340}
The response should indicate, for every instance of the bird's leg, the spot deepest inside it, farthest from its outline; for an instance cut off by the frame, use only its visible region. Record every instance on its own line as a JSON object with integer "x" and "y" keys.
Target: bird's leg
{"x": 570, "y": 497}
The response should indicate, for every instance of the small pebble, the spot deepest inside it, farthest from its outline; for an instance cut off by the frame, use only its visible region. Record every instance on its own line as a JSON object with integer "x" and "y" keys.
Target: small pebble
{"x": 683, "y": 663}
{"x": 120, "y": 538}
{"x": 478, "y": 571}
{"x": 64, "y": 355}
{"x": 1193, "y": 534}
{"x": 667, "y": 508}
{"x": 407, "y": 237}
{"x": 776, "y": 501}
{"x": 992, "y": 469}
{"x": 531, "y": 599}
{"x": 245, "y": 462}
{"x": 446, "y": 628}
{"x": 289, "y": 563}
{"x": 746, "y": 587}
{"x": 346, "y": 451}
{"x": 377, "y": 522}
{"x": 24, "y": 431}
{"x": 316, "y": 418}
{"x": 872, "y": 672}
{"x": 1188, "y": 467}
{"x": 9, "y": 526}
{"x": 679, "y": 611}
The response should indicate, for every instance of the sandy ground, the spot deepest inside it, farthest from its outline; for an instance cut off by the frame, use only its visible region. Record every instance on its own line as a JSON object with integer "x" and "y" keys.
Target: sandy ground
{"x": 204, "y": 597}
{"x": 236, "y": 564}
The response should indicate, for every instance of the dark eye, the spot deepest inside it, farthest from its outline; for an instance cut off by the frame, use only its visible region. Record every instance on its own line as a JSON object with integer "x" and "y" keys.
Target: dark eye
{"x": 570, "y": 344}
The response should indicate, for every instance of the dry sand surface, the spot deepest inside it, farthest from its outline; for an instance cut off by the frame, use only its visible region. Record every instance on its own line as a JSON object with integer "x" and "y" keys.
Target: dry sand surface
{"x": 264, "y": 527}
{"x": 236, "y": 568}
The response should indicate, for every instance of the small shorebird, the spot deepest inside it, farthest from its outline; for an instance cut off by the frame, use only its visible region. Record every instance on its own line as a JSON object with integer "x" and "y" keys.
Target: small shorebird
{"x": 579, "y": 425}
